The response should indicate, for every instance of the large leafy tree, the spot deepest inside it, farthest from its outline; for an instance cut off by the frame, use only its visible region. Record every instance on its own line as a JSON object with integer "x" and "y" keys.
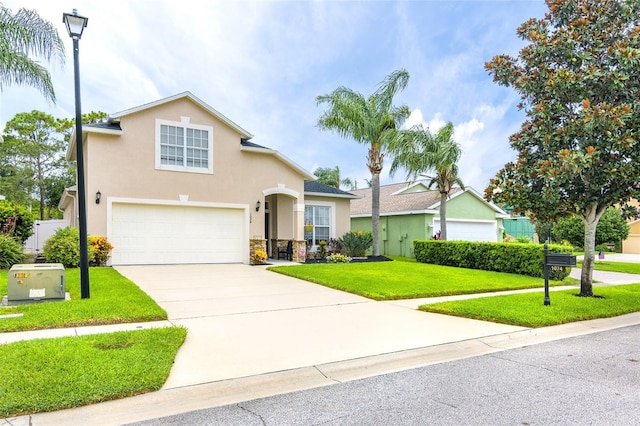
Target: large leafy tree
{"x": 422, "y": 154}
{"x": 612, "y": 228}
{"x": 32, "y": 159}
{"x": 579, "y": 80}
{"x": 24, "y": 39}
{"x": 34, "y": 145}
{"x": 12, "y": 180}
{"x": 373, "y": 121}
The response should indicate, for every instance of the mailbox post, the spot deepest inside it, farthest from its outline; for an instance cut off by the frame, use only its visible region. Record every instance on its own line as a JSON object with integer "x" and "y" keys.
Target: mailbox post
{"x": 554, "y": 259}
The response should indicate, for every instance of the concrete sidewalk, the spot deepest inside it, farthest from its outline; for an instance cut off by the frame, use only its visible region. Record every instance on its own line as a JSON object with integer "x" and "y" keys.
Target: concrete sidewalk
{"x": 254, "y": 333}
{"x": 604, "y": 278}
{"x": 618, "y": 257}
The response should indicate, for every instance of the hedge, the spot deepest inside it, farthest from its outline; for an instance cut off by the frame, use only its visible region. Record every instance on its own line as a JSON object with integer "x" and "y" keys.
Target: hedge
{"x": 513, "y": 258}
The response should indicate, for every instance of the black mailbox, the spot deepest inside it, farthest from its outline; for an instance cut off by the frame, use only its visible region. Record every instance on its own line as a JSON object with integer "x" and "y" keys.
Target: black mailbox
{"x": 560, "y": 259}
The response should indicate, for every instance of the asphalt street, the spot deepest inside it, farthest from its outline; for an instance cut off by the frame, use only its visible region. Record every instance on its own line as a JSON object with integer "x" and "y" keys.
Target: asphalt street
{"x": 588, "y": 380}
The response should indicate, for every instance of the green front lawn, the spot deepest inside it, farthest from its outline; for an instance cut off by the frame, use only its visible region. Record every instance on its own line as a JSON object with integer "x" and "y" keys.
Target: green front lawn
{"x": 603, "y": 265}
{"x": 405, "y": 278}
{"x": 409, "y": 280}
{"x": 528, "y": 310}
{"x": 114, "y": 299}
{"x": 53, "y": 374}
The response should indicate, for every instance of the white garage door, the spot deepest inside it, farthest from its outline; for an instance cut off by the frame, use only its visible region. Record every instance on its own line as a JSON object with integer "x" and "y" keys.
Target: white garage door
{"x": 158, "y": 234}
{"x": 470, "y": 231}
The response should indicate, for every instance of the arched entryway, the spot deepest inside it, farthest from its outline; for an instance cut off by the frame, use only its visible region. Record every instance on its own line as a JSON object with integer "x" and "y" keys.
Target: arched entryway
{"x": 283, "y": 222}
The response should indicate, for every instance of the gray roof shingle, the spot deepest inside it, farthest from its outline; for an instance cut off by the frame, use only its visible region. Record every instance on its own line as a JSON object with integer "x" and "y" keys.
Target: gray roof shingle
{"x": 107, "y": 125}
{"x": 393, "y": 202}
{"x": 317, "y": 188}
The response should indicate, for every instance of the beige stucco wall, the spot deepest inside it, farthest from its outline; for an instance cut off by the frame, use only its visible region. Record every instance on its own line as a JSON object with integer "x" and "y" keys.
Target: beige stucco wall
{"x": 632, "y": 243}
{"x": 124, "y": 167}
{"x": 285, "y": 218}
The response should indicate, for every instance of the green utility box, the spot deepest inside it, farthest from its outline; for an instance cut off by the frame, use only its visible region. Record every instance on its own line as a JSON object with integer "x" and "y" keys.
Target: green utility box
{"x": 36, "y": 282}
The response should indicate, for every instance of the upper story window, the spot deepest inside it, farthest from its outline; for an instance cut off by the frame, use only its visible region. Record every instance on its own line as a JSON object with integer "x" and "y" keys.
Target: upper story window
{"x": 184, "y": 146}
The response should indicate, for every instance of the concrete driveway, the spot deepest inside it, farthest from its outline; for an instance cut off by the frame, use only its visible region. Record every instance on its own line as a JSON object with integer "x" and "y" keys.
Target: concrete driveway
{"x": 244, "y": 321}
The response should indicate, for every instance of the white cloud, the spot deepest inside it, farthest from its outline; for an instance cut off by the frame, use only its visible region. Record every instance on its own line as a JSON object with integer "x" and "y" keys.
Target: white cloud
{"x": 263, "y": 63}
{"x": 483, "y": 143}
{"x": 415, "y": 118}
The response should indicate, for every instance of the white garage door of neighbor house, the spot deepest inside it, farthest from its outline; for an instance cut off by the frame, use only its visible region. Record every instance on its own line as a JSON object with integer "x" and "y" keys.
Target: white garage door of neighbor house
{"x": 159, "y": 234}
{"x": 470, "y": 231}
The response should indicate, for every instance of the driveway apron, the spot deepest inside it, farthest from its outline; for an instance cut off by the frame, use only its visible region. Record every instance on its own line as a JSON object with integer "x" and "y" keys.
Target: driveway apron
{"x": 244, "y": 320}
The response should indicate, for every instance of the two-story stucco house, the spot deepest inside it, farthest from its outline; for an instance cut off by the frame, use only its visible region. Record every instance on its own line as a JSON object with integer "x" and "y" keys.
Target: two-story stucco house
{"x": 175, "y": 181}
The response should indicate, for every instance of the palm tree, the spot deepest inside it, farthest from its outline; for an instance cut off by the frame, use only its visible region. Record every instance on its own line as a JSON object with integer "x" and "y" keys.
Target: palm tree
{"x": 374, "y": 121}
{"x": 332, "y": 177}
{"x": 328, "y": 176}
{"x": 22, "y": 35}
{"x": 433, "y": 157}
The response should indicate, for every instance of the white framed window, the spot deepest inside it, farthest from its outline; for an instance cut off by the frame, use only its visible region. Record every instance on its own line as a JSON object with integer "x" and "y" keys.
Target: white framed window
{"x": 319, "y": 222}
{"x": 181, "y": 146}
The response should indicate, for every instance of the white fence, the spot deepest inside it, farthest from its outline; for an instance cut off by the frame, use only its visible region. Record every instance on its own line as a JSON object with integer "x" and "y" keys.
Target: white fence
{"x": 43, "y": 229}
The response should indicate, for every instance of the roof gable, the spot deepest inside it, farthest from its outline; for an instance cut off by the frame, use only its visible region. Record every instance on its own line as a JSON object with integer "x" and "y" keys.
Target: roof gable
{"x": 394, "y": 199}
{"x": 419, "y": 186}
{"x": 114, "y": 118}
{"x": 407, "y": 198}
{"x": 476, "y": 194}
{"x": 259, "y": 149}
{"x": 112, "y": 126}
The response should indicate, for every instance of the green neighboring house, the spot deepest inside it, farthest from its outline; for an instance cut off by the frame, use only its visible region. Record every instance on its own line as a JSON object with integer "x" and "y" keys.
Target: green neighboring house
{"x": 411, "y": 211}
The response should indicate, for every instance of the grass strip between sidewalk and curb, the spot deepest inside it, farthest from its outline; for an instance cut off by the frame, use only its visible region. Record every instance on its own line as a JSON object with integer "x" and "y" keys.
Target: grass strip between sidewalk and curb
{"x": 114, "y": 300}
{"x": 622, "y": 267}
{"x": 53, "y": 374}
{"x": 528, "y": 310}
{"x": 410, "y": 280}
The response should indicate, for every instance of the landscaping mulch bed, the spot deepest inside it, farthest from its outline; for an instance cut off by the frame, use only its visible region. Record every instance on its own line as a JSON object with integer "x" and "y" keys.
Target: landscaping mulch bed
{"x": 355, "y": 259}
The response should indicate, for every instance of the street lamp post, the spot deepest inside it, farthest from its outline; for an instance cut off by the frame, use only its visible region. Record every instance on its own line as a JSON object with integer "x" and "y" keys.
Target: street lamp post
{"x": 75, "y": 25}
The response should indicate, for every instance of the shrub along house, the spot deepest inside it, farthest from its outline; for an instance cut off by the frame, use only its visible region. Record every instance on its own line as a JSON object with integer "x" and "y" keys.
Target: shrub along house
{"x": 175, "y": 181}
{"x": 410, "y": 211}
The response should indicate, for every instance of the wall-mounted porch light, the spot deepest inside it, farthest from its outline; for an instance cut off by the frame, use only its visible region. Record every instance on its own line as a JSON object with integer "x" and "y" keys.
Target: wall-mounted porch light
{"x": 98, "y": 196}
{"x": 258, "y": 205}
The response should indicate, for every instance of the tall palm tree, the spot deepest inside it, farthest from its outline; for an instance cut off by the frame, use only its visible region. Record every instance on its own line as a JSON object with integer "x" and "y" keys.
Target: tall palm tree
{"x": 25, "y": 37}
{"x": 434, "y": 157}
{"x": 374, "y": 121}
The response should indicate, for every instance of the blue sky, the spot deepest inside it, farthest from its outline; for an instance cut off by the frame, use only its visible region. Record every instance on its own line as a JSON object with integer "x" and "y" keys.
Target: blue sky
{"x": 263, "y": 63}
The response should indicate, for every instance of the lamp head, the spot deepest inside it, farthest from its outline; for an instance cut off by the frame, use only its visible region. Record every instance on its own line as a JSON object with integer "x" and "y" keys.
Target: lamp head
{"x": 75, "y": 24}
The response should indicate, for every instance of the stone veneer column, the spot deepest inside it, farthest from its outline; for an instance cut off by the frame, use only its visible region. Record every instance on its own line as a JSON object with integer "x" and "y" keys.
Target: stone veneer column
{"x": 299, "y": 251}
{"x": 255, "y": 245}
